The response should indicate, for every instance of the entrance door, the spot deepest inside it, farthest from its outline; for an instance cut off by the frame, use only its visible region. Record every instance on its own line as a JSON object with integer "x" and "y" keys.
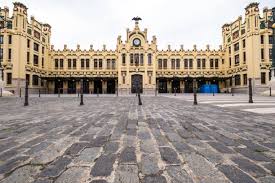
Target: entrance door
{"x": 58, "y": 85}
{"x": 162, "y": 86}
{"x": 71, "y": 87}
{"x": 137, "y": 83}
{"x": 188, "y": 86}
{"x": 85, "y": 87}
{"x": 98, "y": 86}
{"x": 176, "y": 85}
{"x": 111, "y": 86}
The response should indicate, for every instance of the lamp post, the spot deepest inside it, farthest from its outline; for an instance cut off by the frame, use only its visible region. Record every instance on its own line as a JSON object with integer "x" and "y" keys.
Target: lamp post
{"x": 195, "y": 91}
{"x": 81, "y": 90}
{"x": 232, "y": 85}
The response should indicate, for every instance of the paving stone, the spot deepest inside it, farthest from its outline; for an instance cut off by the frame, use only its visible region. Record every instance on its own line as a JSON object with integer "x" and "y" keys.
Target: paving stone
{"x": 99, "y": 181}
{"x": 252, "y": 145}
{"x": 235, "y": 175}
{"x": 271, "y": 167}
{"x": 55, "y": 168}
{"x": 169, "y": 155}
{"x": 128, "y": 155}
{"x": 257, "y": 156}
{"x": 249, "y": 167}
{"x": 111, "y": 147}
{"x": 126, "y": 173}
{"x": 76, "y": 148}
{"x": 212, "y": 156}
{"x": 87, "y": 156}
{"x": 149, "y": 164}
{"x": 178, "y": 175}
{"x": 37, "y": 148}
{"x": 24, "y": 174}
{"x": 221, "y": 148}
{"x": 8, "y": 154}
{"x": 183, "y": 147}
{"x": 154, "y": 179}
{"x": 173, "y": 137}
{"x": 268, "y": 179}
{"x": 74, "y": 174}
{"x": 204, "y": 171}
{"x": 12, "y": 164}
{"x": 103, "y": 165}
{"x": 147, "y": 146}
{"x": 99, "y": 141}
{"x": 43, "y": 181}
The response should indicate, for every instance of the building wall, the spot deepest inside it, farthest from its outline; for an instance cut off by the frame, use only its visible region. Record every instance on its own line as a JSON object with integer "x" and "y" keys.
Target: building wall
{"x": 247, "y": 36}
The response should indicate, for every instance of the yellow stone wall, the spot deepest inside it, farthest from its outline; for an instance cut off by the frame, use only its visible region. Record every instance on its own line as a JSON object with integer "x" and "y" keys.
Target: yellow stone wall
{"x": 246, "y": 29}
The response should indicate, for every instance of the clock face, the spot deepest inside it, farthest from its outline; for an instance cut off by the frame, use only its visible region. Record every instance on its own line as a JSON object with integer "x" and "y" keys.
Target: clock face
{"x": 136, "y": 42}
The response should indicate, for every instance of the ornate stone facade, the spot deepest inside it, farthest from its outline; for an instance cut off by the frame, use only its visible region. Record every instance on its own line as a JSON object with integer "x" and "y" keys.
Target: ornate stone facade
{"x": 245, "y": 53}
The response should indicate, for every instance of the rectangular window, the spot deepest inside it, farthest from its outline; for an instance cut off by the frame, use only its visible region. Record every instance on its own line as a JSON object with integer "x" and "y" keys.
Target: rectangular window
{"x": 9, "y": 78}
{"x": 1, "y": 39}
{"x": 178, "y": 63}
{"x": 61, "y": 63}
{"x": 9, "y": 54}
{"x": 69, "y": 63}
{"x": 43, "y": 50}
{"x": 123, "y": 80}
{"x": 230, "y": 61}
{"x": 108, "y": 64}
{"x": 82, "y": 63}
{"x": 270, "y": 54}
{"x": 42, "y": 62}
{"x": 236, "y": 47}
{"x": 262, "y": 54}
{"x": 35, "y": 80}
{"x": 199, "y": 63}
{"x": 173, "y": 64}
{"x": 160, "y": 63}
{"x": 131, "y": 59}
{"x": 113, "y": 64}
{"x": 216, "y": 63}
{"x": 270, "y": 39}
{"x": 203, "y": 63}
{"x": 164, "y": 63}
{"x": 237, "y": 59}
{"x": 237, "y": 80}
{"x": 56, "y": 63}
{"x": 10, "y": 39}
{"x": 28, "y": 57}
{"x": 149, "y": 59}
{"x": 244, "y": 57}
{"x": 263, "y": 78}
{"x": 1, "y": 54}
{"x": 245, "y": 79}
{"x": 244, "y": 43}
{"x": 87, "y": 63}
{"x": 211, "y": 63}
{"x": 100, "y": 64}
{"x": 74, "y": 63}
{"x": 262, "y": 39}
{"x": 229, "y": 49}
{"x": 28, "y": 43}
{"x": 95, "y": 63}
{"x": 185, "y": 63}
{"x": 36, "y": 34}
{"x": 123, "y": 59}
{"x": 35, "y": 47}
{"x": 136, "y": 58}
{"x": 35, "y": 60}
{"x": 190, "y": 63}
{"x": 141, "y": 59}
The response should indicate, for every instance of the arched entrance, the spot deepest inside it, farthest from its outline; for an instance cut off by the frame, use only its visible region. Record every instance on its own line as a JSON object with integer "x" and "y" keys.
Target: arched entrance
{"x": 136, "y": 83}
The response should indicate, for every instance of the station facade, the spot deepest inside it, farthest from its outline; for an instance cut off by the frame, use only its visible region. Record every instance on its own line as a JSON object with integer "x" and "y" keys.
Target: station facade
{"x": 27, "y": 55}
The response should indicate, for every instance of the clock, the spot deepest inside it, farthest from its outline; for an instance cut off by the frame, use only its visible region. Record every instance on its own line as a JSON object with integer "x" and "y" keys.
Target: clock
{"x": 136, "y": 42}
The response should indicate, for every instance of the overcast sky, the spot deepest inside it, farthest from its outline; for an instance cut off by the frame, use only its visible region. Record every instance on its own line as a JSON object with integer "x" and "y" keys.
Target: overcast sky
{"x": 99, "y": 22}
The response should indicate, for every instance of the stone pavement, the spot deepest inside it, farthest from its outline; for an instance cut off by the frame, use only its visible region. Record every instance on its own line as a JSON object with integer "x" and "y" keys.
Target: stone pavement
{"x": 112, "y": 139}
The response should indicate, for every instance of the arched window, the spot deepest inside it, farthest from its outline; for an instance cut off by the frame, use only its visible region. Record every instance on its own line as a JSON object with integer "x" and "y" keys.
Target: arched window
{"x": 141, "y": 59}
{"x": 123, "y": 59}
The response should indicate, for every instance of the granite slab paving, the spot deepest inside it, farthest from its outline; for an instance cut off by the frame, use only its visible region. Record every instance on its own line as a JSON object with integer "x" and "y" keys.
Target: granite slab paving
{"x": 113, "y": 139}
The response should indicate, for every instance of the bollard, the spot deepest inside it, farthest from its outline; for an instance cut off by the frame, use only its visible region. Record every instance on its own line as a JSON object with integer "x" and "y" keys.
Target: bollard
{"x": 77, "y": 93}
{"x": 1, "y": 92}
{"x": 81, "y": 91}
{"x": 97, "y": 92}
{"x": 270, "y": 93}
{"x": 139, "y": 98}
{"x": 195, "y": 92}
{"x": 117, "y": 92}
{"x": 156, "y": 92}
{"x": 20, "y": 95}
{"x": 58, "y": 92}
{"x": 26, "y": 103}
{"x": 250, "y": 90}
{"x": 232, "y": 92}
{"x": 175, "y": 92}
{"x": 39, "y": 93}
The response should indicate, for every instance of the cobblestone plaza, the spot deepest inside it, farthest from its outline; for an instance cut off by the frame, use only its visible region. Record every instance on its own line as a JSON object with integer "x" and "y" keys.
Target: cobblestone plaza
{"x": 113, "y": 139}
